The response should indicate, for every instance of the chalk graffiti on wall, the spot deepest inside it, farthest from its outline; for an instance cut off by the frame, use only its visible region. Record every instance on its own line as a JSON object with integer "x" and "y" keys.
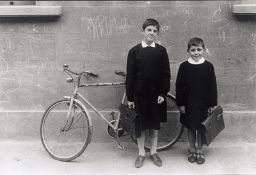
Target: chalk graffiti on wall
{"x": 101, "y": 25}
{"x": 219, "y": 17}
{"x": 8, "y": 81}
{"x": 23, "y": 61}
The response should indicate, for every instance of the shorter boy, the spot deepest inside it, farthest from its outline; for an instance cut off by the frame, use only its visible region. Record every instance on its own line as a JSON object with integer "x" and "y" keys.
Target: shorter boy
{"x": 196, "y": 93}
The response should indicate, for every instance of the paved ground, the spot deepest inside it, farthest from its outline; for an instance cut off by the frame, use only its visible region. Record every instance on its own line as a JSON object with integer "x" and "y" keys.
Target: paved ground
{"x": 29, "y": 157}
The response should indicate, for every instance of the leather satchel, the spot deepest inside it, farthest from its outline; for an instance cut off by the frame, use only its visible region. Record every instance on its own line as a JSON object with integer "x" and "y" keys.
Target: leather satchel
{"x": 128, "y": 119}
{"x": 213, "y": 125}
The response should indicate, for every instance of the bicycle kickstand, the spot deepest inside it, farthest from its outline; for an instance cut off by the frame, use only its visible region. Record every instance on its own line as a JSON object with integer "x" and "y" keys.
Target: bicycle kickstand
{"x": 119, "y": 145}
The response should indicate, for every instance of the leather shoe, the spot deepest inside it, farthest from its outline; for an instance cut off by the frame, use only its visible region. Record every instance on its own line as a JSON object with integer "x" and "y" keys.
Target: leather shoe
{"x": 192, "y": 157}
{"x": 139, "y": 161}
{"x": 156, "y": 159}
{"x": 200, "y": 158}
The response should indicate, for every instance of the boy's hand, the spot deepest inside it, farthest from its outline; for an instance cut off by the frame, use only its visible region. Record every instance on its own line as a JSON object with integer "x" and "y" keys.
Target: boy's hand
{"x": 210, "y": 110}
{"x": 131, "y": 104}
{"x": 182, "y": 109}
{"x": 160, "y": 99}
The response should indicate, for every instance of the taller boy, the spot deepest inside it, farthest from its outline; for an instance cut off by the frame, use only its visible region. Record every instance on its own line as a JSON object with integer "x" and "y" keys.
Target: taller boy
{"x": 147, "y": 83}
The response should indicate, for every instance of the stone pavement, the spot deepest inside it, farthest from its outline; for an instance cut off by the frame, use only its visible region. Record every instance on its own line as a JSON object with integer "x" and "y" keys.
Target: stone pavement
{"x": 29, "y": 157}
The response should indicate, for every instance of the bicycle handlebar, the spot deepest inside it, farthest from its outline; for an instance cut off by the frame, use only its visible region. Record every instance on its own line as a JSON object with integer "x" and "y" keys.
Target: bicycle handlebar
{"x": 65, "y": 68}
{"x": 86, "y": 73}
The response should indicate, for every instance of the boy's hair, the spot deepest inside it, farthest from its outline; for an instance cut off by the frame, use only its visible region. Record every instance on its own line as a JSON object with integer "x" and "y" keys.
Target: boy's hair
{"x": 150, "y": 22}
{"x": 195, "y": 42}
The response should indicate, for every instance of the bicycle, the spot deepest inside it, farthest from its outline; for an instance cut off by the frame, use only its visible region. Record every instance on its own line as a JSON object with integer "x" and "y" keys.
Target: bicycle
{"x": 66, "y": 127}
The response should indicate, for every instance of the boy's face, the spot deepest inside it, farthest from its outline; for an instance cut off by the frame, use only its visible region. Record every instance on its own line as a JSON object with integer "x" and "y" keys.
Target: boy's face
{"x": 196, "y": 52}
{"x": 150, "y": 34}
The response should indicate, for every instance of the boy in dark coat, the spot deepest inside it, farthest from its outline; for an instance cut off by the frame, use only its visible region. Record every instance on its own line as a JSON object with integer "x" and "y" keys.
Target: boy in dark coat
{"x": 147, "y": 84}
{"x": 196, "y": 93}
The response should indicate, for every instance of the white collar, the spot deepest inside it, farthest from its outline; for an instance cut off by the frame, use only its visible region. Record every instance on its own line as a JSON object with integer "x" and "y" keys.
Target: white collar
{"x": 191, "y": 61}
{"x": 144, "y": 44}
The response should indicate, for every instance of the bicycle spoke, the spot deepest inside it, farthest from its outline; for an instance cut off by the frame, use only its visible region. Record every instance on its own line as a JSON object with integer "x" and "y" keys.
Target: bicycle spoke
{"x": 77, "y": 120}
{"x": 51, "y": 134}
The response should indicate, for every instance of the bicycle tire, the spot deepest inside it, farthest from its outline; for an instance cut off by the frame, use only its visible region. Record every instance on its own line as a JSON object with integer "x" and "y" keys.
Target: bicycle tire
{"x": 69, "y": 143}
{"x": 170, "y": 131}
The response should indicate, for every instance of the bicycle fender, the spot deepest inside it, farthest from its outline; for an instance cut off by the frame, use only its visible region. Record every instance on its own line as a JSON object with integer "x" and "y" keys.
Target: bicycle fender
{"x": 85, "y": 110}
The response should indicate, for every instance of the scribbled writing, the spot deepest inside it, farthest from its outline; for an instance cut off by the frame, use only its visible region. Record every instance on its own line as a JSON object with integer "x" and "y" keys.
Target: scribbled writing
{"x": 101, "y": 26}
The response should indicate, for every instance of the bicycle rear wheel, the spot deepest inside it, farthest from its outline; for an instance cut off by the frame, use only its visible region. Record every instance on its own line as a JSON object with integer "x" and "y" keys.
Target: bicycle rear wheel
{"x": 170, "y": 131}
{"x": 65, "y": 139}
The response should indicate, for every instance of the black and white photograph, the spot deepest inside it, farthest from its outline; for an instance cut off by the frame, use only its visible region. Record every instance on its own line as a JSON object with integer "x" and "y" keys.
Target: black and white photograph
{"x": 128, "y": 87}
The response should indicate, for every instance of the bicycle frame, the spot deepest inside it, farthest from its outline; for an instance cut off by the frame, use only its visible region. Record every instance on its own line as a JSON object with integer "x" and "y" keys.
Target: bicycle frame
{"x": 77, "y": 96}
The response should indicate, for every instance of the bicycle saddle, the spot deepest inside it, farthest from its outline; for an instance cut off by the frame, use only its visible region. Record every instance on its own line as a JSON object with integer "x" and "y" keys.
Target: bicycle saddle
{"x": 120, "y": 73}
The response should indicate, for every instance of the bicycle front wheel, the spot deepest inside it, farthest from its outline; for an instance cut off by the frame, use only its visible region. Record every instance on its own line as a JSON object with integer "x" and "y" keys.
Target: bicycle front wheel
{"x": 170, "y": 131}
{"x": 65, "y": 138}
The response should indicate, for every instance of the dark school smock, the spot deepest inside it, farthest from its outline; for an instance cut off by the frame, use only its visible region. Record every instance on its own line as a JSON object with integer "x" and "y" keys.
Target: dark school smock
{"x": 196, "y": 89}
{"x": 148, "y": 76}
